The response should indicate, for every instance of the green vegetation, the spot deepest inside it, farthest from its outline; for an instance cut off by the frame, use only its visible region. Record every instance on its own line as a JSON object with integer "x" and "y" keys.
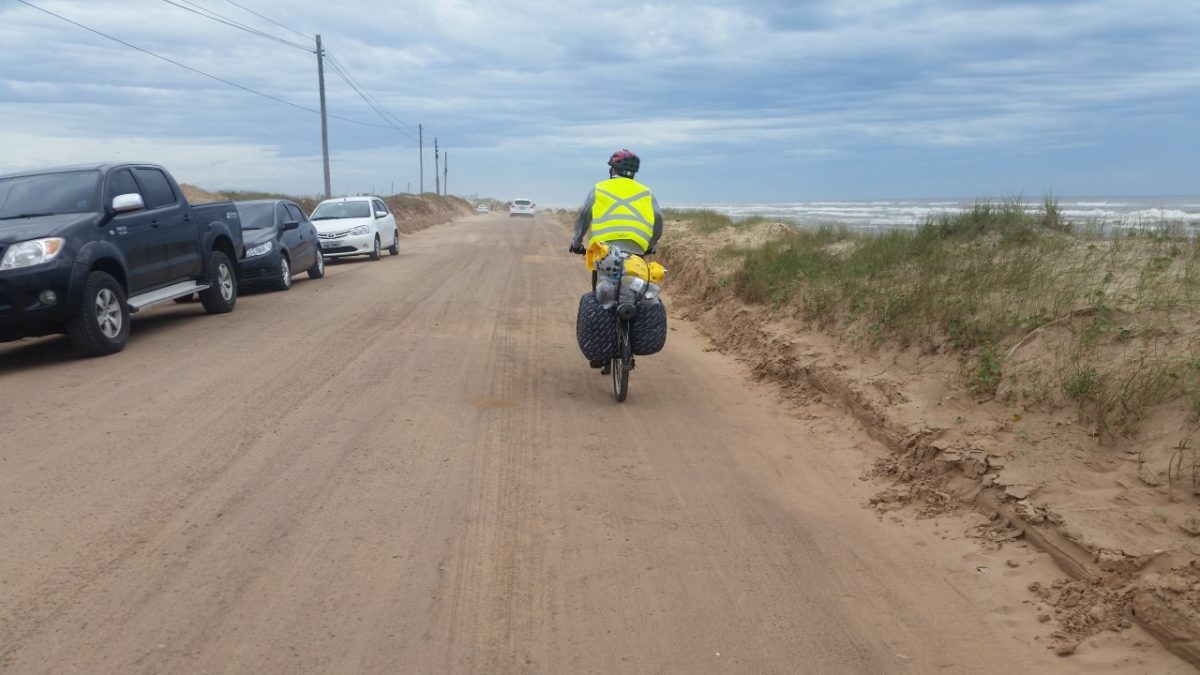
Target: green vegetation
{"x": 399, "y": 204}
{"x": 306, "y": 203}
{"x": 708, "y": 221}
{"x": 702, "y": 220}
{"x": 1039, "y": 310}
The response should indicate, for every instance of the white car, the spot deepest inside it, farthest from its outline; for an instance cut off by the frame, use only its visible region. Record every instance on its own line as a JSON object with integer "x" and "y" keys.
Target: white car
{"x": 521, "y": 207}
{"x": 355, "y": 226}
{"x": 482, "y": 208}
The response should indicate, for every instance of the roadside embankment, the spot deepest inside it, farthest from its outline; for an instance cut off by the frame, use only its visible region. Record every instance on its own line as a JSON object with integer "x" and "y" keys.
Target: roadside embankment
{"x": 1013, "y": 362}
{"x": 412, "y": 212}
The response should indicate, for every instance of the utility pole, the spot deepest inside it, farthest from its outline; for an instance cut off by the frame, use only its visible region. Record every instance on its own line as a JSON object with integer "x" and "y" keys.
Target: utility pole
{"x": 324, "y": 121}
{"x": 421, "y": 145}
{"x": 446, "y": 174}
{"x": 437, "y": 174}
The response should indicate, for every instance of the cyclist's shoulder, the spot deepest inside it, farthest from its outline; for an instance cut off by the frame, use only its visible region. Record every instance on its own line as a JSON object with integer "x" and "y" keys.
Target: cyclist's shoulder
{"x": 623, "y": 181}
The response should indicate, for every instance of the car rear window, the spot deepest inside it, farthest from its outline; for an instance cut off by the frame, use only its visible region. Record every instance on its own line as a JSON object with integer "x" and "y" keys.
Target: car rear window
{"x": 522, "y": 202}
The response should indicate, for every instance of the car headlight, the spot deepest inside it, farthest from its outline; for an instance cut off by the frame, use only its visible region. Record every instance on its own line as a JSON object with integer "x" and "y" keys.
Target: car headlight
{"x": 261, "y": 249}
{"x": 361, "y": 229}
{"x": 30, "y": 253}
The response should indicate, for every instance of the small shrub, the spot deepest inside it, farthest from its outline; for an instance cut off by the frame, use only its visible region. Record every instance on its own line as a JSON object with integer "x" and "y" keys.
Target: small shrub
{"x": 986, "y": 372}
{"x": 1082, "y": 384}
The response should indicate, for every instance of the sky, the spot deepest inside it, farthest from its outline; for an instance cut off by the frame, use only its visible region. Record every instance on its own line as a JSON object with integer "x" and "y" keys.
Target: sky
{"x": 735, "y": 101}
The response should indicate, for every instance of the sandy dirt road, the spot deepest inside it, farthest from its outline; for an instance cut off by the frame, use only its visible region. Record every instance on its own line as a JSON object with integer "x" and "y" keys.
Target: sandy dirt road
{"x": 407, "y": 467}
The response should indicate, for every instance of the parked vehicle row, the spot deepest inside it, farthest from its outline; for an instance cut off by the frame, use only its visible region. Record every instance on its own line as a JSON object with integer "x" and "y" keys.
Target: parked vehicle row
{"x": 84, "y": 247}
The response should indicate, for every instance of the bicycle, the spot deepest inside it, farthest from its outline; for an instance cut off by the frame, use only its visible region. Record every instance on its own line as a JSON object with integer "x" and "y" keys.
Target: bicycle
{"x": 624, "y": 312}
{"x": 622, "y": 360}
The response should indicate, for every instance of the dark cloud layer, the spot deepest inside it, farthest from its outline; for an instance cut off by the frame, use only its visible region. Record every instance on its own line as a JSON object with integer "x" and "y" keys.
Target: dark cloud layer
{"x": 735, "y": 101}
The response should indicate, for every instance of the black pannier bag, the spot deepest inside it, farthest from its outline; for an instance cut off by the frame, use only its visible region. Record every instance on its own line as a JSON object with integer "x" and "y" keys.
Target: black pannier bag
{"x": 648, "y": 334}
{"x": 595, "y": 329}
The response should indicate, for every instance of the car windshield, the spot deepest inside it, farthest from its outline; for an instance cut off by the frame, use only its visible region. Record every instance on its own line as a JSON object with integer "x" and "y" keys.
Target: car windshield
{"x": 257, "y": 216}
{"x": 332, "y": 210}
{"x": 49, "y": 193}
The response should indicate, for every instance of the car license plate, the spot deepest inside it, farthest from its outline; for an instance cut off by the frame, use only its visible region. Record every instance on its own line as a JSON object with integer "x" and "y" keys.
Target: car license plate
{"x": 332, "y": 244}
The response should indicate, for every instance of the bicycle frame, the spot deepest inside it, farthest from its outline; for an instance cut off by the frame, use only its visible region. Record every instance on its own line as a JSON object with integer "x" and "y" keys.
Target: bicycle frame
{"x": 622, "y": 361}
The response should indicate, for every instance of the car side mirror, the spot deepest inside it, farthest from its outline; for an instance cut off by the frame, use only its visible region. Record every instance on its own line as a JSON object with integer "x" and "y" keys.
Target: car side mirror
{"x": 128, "y": 202}
{"x": 380, "y": 214}
{"x": 291, "y": 225}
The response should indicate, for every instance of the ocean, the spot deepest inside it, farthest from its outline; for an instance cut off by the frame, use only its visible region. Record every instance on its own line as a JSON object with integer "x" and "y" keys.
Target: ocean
{"x": 1107, "y": 211}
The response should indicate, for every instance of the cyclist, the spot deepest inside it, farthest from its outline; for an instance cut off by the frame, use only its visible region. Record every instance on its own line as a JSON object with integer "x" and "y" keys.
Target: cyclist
{"x": 620, "y": 212}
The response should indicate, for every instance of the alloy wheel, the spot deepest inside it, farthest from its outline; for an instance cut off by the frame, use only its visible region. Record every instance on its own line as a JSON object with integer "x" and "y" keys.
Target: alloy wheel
{"x": 225, "y": 281}
{"x": 108, "y": 313}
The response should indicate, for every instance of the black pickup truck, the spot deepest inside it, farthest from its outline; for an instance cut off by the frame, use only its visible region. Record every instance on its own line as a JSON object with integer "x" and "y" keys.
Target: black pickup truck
{"x": 83, "y": 247}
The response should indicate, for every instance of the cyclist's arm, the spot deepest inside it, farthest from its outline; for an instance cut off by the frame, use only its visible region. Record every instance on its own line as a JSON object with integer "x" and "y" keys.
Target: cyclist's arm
{"x": 658, "y": 223}
{"x": 584, "y": 220}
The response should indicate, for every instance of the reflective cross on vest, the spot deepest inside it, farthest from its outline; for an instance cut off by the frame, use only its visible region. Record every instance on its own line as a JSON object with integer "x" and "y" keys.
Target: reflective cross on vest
{"x": 623, "y": 210}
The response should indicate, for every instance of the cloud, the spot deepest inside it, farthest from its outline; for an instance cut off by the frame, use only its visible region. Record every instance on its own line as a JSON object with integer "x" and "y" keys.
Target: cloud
{"x": 549, "y": 87}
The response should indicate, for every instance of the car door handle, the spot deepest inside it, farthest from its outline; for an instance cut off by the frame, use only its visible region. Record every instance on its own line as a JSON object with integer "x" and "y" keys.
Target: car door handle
{"x": 154, "y": 223}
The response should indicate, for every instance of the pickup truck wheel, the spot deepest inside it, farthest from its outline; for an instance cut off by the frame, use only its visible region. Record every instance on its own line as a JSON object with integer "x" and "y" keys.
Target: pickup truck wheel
{"x": 284, "y": 280}
{"x": 318, "y": 267}
{"x": 376, "y": 253}
{"x": 221, "y": 295}
{"x": 102, "y": 324}
{"x": 394, "y": 249}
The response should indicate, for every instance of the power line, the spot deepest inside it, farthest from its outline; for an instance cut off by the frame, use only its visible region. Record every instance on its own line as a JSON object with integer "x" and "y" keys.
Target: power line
{"x": 220, "y": 18}
{"x": 383, "y": 114}
{"x": 367, "y": 97}
{"x": 373, "y": 97}
{"x": 196, "y": 70}
{"x": 355, "y": 83}
{"x": 268, "y": 19}
{"x": 342, "y": 71}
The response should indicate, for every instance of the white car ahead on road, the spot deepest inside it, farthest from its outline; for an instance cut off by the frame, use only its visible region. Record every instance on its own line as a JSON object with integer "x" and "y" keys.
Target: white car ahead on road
{"x": 521, "y": 207}
{"x": 355, "y": 226}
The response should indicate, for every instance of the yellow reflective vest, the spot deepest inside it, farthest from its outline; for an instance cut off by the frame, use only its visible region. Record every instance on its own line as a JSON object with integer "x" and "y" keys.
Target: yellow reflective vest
{"x": 623, "y": 209}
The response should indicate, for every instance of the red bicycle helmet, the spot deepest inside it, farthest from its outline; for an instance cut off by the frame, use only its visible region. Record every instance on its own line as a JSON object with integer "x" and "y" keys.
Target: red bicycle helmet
{"x": 624, "y": 163}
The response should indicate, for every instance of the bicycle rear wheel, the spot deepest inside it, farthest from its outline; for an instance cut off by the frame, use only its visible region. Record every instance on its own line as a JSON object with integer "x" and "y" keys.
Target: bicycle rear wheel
{"x": 621, "y": 362}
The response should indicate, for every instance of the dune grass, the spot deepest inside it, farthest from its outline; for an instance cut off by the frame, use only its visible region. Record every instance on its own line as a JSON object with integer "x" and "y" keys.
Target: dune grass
{"x": 306, "y": 203}
{"x": 401, "y": 203}
{"x": 1040, "y": 310}
{"x": 702, "y": 220}
{"x": 708, "y": 221}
